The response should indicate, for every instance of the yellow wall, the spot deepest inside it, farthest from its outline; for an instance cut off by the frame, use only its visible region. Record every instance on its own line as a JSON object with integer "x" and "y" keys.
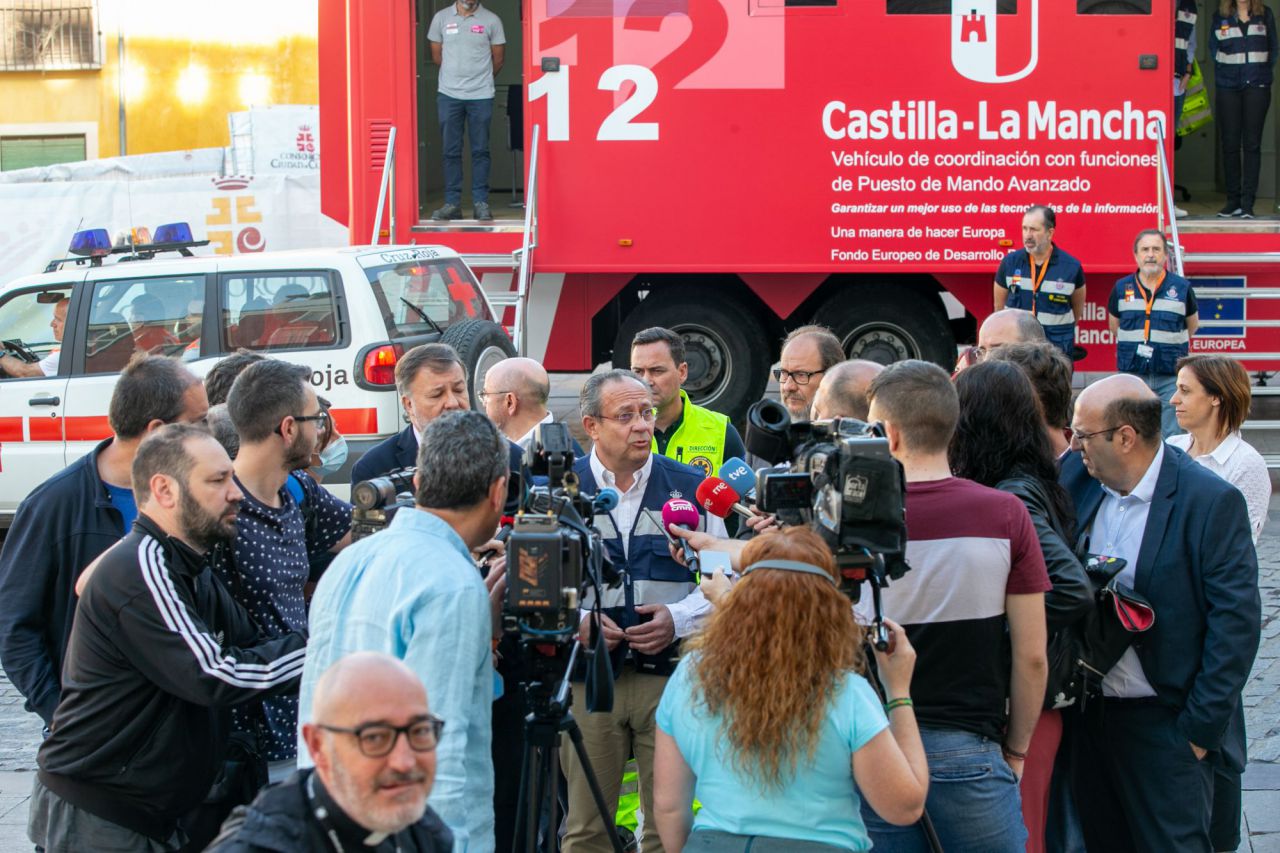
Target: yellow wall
{"x": 165, "y": 110}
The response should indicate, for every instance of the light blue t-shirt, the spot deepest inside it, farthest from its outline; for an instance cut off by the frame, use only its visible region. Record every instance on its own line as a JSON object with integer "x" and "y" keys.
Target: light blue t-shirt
{"x": 122, "y": 499}
{"x": 819, "y": 804}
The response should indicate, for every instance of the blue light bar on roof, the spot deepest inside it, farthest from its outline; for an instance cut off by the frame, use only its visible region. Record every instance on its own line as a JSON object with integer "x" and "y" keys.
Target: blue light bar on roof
{"x": 174, "y": 232}
{"x": 95, "y": 241}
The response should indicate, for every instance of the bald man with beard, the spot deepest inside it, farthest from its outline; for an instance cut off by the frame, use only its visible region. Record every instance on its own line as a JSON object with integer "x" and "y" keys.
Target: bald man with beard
{"x": 372, "y": 738}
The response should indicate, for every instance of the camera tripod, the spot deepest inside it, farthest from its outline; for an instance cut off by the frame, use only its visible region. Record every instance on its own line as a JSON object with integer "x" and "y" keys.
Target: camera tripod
{"x": 548, "y": 717}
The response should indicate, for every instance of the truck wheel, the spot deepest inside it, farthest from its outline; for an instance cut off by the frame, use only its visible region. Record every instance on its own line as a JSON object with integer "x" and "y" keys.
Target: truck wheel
{"x": 724, "y": 345}
{"x": 480, "y": 344}
{"x": 885, "y": 323}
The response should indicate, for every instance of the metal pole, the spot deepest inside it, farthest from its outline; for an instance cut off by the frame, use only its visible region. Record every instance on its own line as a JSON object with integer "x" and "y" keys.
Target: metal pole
{"x": 124, "y": 148}
{"x": 391, "y": 192}
{"x": 1168, "y": 194}
{"x": 387, "y": 162}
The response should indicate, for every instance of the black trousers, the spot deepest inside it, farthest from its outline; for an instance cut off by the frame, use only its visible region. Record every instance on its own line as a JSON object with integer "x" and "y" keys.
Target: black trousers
{"x": 1138, "y": 785}
{"x": 1241, "y": 114}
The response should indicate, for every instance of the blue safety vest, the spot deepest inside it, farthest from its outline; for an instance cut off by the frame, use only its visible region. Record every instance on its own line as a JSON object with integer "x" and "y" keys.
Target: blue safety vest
{"x": 1167, "y": 335}
{"x": 1051, "y": 301}
{"x": 1244, "y": 52}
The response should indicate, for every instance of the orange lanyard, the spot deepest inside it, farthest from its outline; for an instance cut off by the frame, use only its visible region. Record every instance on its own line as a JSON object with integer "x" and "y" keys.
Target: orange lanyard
{"x": 1150, "y": 300}
{"x": 1036, "y": 282}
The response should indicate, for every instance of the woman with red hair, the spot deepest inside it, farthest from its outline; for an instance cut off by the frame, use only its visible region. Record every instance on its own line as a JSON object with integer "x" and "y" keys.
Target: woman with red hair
{"x": 770, "y": 721}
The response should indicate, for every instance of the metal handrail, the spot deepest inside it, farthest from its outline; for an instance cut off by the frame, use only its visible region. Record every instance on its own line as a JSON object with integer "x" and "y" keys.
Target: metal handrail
{"x": 528, "y": 244}
{"x": 1167, "y": 184}
{"x": 388, "y": 179}
{"x": 1234, "y": 258}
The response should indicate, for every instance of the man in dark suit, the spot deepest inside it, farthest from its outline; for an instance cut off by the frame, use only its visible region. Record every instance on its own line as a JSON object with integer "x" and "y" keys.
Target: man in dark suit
{"x": 431, "y": 381}
{"x": 1145, "y": 751}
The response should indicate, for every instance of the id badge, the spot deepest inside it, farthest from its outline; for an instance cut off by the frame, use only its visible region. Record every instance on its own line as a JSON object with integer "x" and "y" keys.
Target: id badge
{"x": 1145, "y": 351}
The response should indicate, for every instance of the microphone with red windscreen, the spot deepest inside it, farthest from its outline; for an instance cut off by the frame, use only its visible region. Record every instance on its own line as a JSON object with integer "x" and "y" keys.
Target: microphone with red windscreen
{"x": 682, "y": 513}
{"x": 719, "y": 498}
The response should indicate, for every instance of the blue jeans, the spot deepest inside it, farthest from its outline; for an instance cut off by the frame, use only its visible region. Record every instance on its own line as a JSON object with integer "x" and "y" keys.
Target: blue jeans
{"x": 973, "y": 800}
{"x": 1164, "y": 386}
{"x": 473, "y": 116}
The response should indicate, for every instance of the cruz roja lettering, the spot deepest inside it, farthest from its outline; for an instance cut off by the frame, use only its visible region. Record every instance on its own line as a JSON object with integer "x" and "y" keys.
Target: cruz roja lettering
{"x": 924, "y": 120}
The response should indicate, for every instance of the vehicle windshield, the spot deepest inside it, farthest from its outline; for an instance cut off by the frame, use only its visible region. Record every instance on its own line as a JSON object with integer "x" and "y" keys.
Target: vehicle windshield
{"x": 420, "y": 297}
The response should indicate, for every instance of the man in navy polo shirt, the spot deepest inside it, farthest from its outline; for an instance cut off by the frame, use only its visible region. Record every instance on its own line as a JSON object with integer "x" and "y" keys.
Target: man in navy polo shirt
{"x": 1153, "y": 314}
{"x": 1043, "y": 279}
{"x": 275, "y": 411}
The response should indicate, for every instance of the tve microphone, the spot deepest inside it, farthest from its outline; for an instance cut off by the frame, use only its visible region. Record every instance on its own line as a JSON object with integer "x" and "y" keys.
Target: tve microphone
{"x": 719, "y": 498}
{"x": 606, "y": 500}
{"x": 681, "y": 513}
{"x": 739, "y": 476}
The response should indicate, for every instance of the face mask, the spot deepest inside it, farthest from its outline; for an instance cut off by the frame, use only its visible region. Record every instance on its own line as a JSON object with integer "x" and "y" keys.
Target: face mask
{"x": 333, "y": 456}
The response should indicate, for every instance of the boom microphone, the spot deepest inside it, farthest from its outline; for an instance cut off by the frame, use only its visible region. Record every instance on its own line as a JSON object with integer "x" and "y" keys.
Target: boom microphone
{"x": 719, "y": 498}
{"x": 681, "y": 513}
{"x": 740, "y": 477}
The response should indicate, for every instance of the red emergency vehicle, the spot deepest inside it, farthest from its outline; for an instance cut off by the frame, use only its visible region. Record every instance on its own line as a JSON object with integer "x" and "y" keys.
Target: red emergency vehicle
{"x": 735, "y": 168}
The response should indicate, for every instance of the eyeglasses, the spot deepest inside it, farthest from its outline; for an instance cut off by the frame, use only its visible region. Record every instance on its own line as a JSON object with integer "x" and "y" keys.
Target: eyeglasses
{"x": 321, "y": 418}
{"x": 485, "y": 395}
{"x": 1081, "y": 436}
{"x": 626, "y": 418}
{"x": 801, "y": 377}
{"x": 378, "y": 739}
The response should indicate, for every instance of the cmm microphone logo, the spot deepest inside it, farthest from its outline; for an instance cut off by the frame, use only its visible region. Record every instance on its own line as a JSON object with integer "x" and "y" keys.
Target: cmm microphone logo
{"x": 974, "y": 43}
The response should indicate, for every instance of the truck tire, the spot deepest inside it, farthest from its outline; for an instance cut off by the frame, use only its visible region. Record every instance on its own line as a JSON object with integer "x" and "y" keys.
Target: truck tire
{"x": 480, "y": 344}
{"x": 887, "y": 323}
{"x": 724, "y": 344}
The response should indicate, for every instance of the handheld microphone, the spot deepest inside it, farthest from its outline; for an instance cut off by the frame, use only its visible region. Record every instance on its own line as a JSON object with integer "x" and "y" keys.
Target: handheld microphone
{"x": 740, "y": 477}
{"x": 719, "y": 498}
{"x": 606, "y": 500}
{"x": 504, "y": 531}
{"x": 681, "y": 513}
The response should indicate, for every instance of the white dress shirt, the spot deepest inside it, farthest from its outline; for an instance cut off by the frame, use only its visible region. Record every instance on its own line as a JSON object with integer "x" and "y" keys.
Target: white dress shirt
{"x": 524, "y": 440}
{"x": 688, "y": 609}
{"x": 1235, "y": 461}
{"x": 1117, "y": 531}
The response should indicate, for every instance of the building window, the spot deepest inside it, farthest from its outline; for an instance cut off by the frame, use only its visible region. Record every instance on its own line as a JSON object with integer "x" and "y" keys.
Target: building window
{"x": 49, "y": 35}
{"x": 25, "y": 152}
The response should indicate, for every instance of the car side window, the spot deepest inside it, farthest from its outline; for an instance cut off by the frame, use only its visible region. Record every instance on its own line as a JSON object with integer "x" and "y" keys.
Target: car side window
{"x": 416, "y": 298}
{"x": 31, "y": 326}
{"x": 158, "y": 315}
{"x": 278, "y": 310}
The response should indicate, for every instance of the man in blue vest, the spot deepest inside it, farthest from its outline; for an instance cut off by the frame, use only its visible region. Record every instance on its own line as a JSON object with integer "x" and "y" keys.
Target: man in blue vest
{"x": 1152, "y": 314}
{"x": 1043, "y": 279}
{"x": 645, "y": 617}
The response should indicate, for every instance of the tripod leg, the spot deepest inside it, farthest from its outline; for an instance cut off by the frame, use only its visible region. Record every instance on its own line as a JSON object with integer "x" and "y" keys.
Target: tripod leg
{"x": 547, "y": 800}
{"x": 522, "y": 804}
{"x": 575, "y": 735}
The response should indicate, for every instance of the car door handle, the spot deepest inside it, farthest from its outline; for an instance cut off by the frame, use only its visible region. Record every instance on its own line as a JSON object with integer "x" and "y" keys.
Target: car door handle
{"x": 44, "y": 400}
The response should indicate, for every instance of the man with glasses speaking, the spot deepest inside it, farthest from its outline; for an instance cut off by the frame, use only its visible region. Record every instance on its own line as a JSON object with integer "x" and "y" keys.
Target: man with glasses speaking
{"x": 646, "y": 615}
{"x": 374, "y": 746}
{"x": 807, "y": 353}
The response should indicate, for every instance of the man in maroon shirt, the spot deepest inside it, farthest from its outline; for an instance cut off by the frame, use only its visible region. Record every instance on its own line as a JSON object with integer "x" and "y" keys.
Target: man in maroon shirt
{"x": 973, "y": 607}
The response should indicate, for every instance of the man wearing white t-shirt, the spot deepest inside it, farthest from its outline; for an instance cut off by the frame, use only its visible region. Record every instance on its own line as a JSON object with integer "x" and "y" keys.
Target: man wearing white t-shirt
{"x": 46, "y": 366}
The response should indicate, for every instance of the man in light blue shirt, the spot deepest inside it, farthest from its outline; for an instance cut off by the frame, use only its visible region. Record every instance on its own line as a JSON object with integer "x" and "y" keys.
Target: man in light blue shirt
{"x": 413, "y": 592}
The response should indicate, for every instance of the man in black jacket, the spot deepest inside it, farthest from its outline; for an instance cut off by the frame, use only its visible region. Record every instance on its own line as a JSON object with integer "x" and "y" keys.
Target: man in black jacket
{"x": 75, "y": 515}
{"x": 158, "y": 653}
{"x": 369, "y": 788}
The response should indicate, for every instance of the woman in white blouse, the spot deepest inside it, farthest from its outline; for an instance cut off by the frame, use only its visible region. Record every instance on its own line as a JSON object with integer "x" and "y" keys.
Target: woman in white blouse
{"x": 1211, "y": 402}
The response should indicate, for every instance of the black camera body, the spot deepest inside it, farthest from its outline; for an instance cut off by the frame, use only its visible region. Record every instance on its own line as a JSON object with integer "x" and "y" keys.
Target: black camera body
{"x": 842, "y": 482}
{"x": 374, "y": 502}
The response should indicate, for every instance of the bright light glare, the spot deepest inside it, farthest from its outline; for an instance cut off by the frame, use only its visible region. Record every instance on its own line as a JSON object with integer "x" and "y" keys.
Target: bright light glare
{"x": 255, "y": 89}
{"x": 135, "y": 81}
{"x": 193, "y": 84}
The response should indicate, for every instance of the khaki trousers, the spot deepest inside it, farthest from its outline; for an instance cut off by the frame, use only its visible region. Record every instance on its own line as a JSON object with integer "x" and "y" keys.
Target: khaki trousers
{"x": 609, "y": 740}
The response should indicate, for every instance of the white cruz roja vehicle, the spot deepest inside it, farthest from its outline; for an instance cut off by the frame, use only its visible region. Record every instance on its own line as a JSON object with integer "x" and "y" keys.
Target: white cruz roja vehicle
{"x": 348, "y": 314}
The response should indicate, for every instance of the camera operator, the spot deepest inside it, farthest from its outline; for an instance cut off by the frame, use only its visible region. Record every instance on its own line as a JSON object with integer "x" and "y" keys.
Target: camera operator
{"x": 159, "y": 651}
{"x": 279, "y": 420}
{"x": 977, "y": 582}
{"x": 647, "y": 615}
{"x": 413, "y": 592}
{"x": 70, "y": 519}
{"x": 843, "y": 390}
{"x": 770, "y": 710}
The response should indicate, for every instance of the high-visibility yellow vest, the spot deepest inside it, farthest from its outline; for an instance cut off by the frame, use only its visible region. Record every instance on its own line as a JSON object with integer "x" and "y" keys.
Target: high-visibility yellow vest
{"x": 1195, "y": 107}
{"x": 699, "y": 439}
